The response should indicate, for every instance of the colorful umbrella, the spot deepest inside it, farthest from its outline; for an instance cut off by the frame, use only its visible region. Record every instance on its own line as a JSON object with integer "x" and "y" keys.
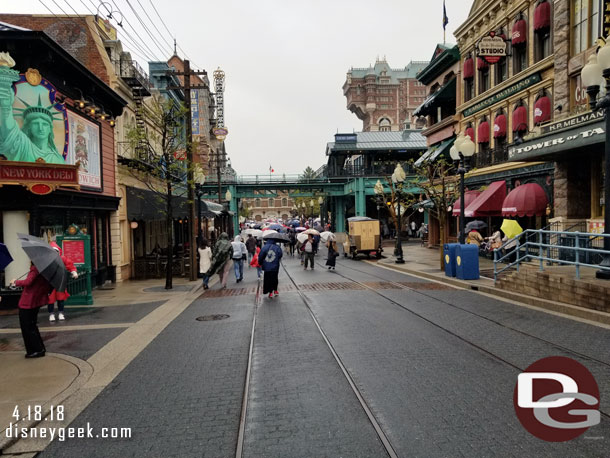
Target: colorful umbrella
{"x": 5, "y": 256}
{"x": 511, "y": 228}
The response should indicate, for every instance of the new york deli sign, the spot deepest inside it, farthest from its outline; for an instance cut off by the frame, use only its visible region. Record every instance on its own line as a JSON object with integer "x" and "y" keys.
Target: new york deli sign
{"x": 576, "y": 132}
{"x": 38, "y": 178}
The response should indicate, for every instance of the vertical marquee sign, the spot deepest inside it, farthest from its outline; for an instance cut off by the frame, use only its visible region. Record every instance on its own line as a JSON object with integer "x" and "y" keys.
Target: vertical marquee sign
{"x": 606, "y": 18}
{"x": 220, "y": 131}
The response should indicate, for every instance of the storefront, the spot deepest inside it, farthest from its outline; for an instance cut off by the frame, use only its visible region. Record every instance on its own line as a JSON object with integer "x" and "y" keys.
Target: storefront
{"x": 57, "y": 150}
{"x": 576, "y": 144}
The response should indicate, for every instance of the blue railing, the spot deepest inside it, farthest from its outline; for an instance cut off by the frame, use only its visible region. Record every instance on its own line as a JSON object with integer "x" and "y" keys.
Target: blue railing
{"x": 578, "y": 249}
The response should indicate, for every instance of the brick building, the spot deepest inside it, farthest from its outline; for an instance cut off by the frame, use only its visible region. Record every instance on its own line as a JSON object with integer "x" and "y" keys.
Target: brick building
{"x": 263, "y": 207}
{"x": 385, "y": 98}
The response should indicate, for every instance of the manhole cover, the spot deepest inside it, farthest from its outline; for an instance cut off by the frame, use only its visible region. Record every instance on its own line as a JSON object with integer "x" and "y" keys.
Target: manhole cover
{"x": 212, "y": 317}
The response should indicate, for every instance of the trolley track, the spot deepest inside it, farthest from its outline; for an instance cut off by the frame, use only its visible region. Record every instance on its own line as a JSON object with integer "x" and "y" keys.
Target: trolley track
{"x": 465, "y": 340}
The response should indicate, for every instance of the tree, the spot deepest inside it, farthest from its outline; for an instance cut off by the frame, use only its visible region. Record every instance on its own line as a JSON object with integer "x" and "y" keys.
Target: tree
{"x": 308, "y": 174}
{"x": 160, "y": 161}
{"x": 440, "y": 188}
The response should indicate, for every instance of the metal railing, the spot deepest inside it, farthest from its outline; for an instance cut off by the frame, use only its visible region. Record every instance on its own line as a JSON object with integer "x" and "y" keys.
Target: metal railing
{"x": 578, "y": 249}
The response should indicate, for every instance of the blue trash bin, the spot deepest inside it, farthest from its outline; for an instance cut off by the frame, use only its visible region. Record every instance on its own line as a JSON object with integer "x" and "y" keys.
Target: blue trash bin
{"x": 467, "y": 262}
{"x": 450, "y": 249}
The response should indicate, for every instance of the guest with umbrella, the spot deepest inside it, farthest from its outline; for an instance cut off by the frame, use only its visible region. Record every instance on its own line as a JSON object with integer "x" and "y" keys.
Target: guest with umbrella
{"x": 47, "y": 271}
{"x": 511, "y": 229}
{"x": 60, "y": 296}
{"x": 333, "y": 253}
{"x": 269, "y": 259}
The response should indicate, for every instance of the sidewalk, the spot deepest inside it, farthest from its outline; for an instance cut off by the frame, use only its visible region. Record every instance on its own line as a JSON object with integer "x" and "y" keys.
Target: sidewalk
{"x": 62, "y": 380}
{"x": 425, "y": 262}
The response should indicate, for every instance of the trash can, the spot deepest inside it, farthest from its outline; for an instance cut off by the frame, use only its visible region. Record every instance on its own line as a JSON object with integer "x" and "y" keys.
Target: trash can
{"x": 450, "y": 249}
{"x": 467, "y": 262}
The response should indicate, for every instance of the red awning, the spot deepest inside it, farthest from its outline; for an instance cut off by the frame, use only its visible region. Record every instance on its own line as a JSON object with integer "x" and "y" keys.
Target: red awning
{"x": 489, "y": 203}
{"x": 469, "y": 197}
{"x": 468, "y": 68}
{"x": 500, "y": 126}
{"x": 481, "y": 64}
{"x": 470, "y": 132}
{"x": 542, "y": 16}
{"x": 525, "y": 200}
{"x": 542, "y": 110}
{"x": 520, "y": 119}
{"x": 483, "y": 133}
{"x": 519, "y": 32}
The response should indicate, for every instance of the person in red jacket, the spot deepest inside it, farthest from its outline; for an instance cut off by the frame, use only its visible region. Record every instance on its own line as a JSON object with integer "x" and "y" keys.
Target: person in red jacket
{"x": 35, "y": 294}
{"x": 60, "y": 296}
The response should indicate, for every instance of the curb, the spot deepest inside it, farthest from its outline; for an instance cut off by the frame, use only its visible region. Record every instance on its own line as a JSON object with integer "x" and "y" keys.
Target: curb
{"x": 521, "y": 299}
{"x": 85, "y": 371}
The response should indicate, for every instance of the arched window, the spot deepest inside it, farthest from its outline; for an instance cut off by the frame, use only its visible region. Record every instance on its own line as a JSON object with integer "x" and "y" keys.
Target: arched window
{"x": 385, "y": 125}
{"x": 542, "y": 30}
{"x": 519, "y": 41}
{"x": 257, "y": 203}
{"x": 271, "y": 202}
{"x": 284, "y": 202}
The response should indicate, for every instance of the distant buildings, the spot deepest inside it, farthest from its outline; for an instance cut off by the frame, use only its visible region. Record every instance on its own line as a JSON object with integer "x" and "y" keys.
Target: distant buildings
{"x": 384, "y": 98}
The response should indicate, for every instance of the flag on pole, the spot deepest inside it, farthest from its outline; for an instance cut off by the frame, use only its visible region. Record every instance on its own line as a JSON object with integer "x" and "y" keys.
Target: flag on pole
{"x": 271, "y": 169}
{"x": 445, "y": 18}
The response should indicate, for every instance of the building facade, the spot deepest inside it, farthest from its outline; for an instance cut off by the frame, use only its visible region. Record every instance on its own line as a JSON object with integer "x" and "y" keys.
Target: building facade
{"x": 385, "y": 98}
{"x": 260, "y": 208}
{"x": 504, "y": 99}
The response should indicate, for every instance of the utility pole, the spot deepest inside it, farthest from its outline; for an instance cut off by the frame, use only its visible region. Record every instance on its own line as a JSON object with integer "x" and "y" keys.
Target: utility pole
{"x": 186, "y": 87}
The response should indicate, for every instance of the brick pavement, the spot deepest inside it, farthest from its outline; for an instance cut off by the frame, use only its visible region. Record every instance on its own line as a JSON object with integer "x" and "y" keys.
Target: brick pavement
{"x": 181, "y": 395}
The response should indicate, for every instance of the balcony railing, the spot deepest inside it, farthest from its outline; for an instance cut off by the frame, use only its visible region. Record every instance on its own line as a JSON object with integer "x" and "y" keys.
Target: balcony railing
{"x": 133, "y": 74}
{"x": 493, "y": 156}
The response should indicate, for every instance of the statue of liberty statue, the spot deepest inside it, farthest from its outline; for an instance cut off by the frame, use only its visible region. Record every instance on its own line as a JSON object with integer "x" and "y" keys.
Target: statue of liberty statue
{"x": 35, "y": 140}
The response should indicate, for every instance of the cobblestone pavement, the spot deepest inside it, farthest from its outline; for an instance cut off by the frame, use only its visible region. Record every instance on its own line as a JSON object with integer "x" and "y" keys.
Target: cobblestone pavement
{"x": 430, "y": 373}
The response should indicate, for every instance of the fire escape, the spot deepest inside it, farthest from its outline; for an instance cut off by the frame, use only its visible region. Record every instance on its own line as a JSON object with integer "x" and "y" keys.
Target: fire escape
{"x": 140, "y": 85}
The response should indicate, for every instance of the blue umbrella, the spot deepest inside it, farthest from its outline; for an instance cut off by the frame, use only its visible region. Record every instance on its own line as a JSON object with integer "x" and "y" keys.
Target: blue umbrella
{"x": 276, "y": 227}
{"x": 5, "y": 256}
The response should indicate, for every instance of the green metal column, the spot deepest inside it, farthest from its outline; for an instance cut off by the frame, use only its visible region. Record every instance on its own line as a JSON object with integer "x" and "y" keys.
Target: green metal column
{"x": 339, "y": 214}
{"x": 360, "y": 196}
{"x": 233, "y": 207}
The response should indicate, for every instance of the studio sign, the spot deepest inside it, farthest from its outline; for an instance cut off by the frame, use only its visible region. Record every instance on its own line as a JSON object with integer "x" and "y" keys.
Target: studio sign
{"x": 492, "y": 48}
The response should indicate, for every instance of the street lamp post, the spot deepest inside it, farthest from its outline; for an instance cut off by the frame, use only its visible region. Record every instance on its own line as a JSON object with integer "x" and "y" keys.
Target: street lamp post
{"x": 460, "y": 152}
{"x": 320, "y": 202}
{"x": 398, "y": 178}
{"x": 595, "y": 72}
{"x": 378, "y": 189}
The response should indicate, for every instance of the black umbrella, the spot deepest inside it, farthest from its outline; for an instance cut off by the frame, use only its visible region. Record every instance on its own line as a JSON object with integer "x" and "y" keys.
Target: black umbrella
{"x": 46, "y": 259}
{"x": 283, "y": 238}
{"x": 5, "y": 256}
{"x": 478, "y": 225}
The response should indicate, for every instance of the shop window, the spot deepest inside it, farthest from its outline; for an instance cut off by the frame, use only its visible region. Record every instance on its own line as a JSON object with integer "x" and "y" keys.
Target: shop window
{"x": 584, "y": 22}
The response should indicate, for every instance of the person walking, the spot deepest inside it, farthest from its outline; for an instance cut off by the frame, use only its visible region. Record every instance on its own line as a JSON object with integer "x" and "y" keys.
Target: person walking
{"x": 293, "y": 241}
{"x": 240, "y": 254}
{"x": 221, "y": 255}
{"x": 35, "y": 294}
{"x": 255, "y": 263}
{"x": 413, "y": 230}
{"x": 308, "y": 251}
{"x": 332, "y": 253}
{"x": 205, "y": 261}
{"x": 474, "y": 238}
{"x": 269, "y": 258}
{"x": 251, "y": 247}
{"x": 60, "y": 296}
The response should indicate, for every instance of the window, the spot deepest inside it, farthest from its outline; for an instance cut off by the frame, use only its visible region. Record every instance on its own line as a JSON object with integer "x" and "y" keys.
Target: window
{"x": 284, "y": 202}
{"x": 468, "y": 89}
{"x": 519, "y": 58}
{"x": 257, "y": 203}
{"x": 542, "y": 30}
{"x": 385, "y": 125}
{"x": 483, "y": 77}
{"x": 501, "y": 72}
{"x": 383, "y": 99}
{"x": 271, "y": 202}
{"x": 584, "y": 21}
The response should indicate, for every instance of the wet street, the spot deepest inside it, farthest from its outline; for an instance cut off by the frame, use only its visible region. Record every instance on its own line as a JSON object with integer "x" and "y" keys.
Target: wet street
{"x": 361, "y": 362}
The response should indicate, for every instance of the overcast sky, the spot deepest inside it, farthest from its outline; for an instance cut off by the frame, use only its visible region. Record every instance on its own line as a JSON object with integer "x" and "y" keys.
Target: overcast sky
{"x": 285, "y": 61}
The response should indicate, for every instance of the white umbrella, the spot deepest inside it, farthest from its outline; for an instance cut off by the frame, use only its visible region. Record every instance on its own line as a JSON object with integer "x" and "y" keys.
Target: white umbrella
{"x": 257, "y": 233}
{"x": 302, "y": 237}
{"x": 324, "y": 236}
{"x": 311, "y": 231}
